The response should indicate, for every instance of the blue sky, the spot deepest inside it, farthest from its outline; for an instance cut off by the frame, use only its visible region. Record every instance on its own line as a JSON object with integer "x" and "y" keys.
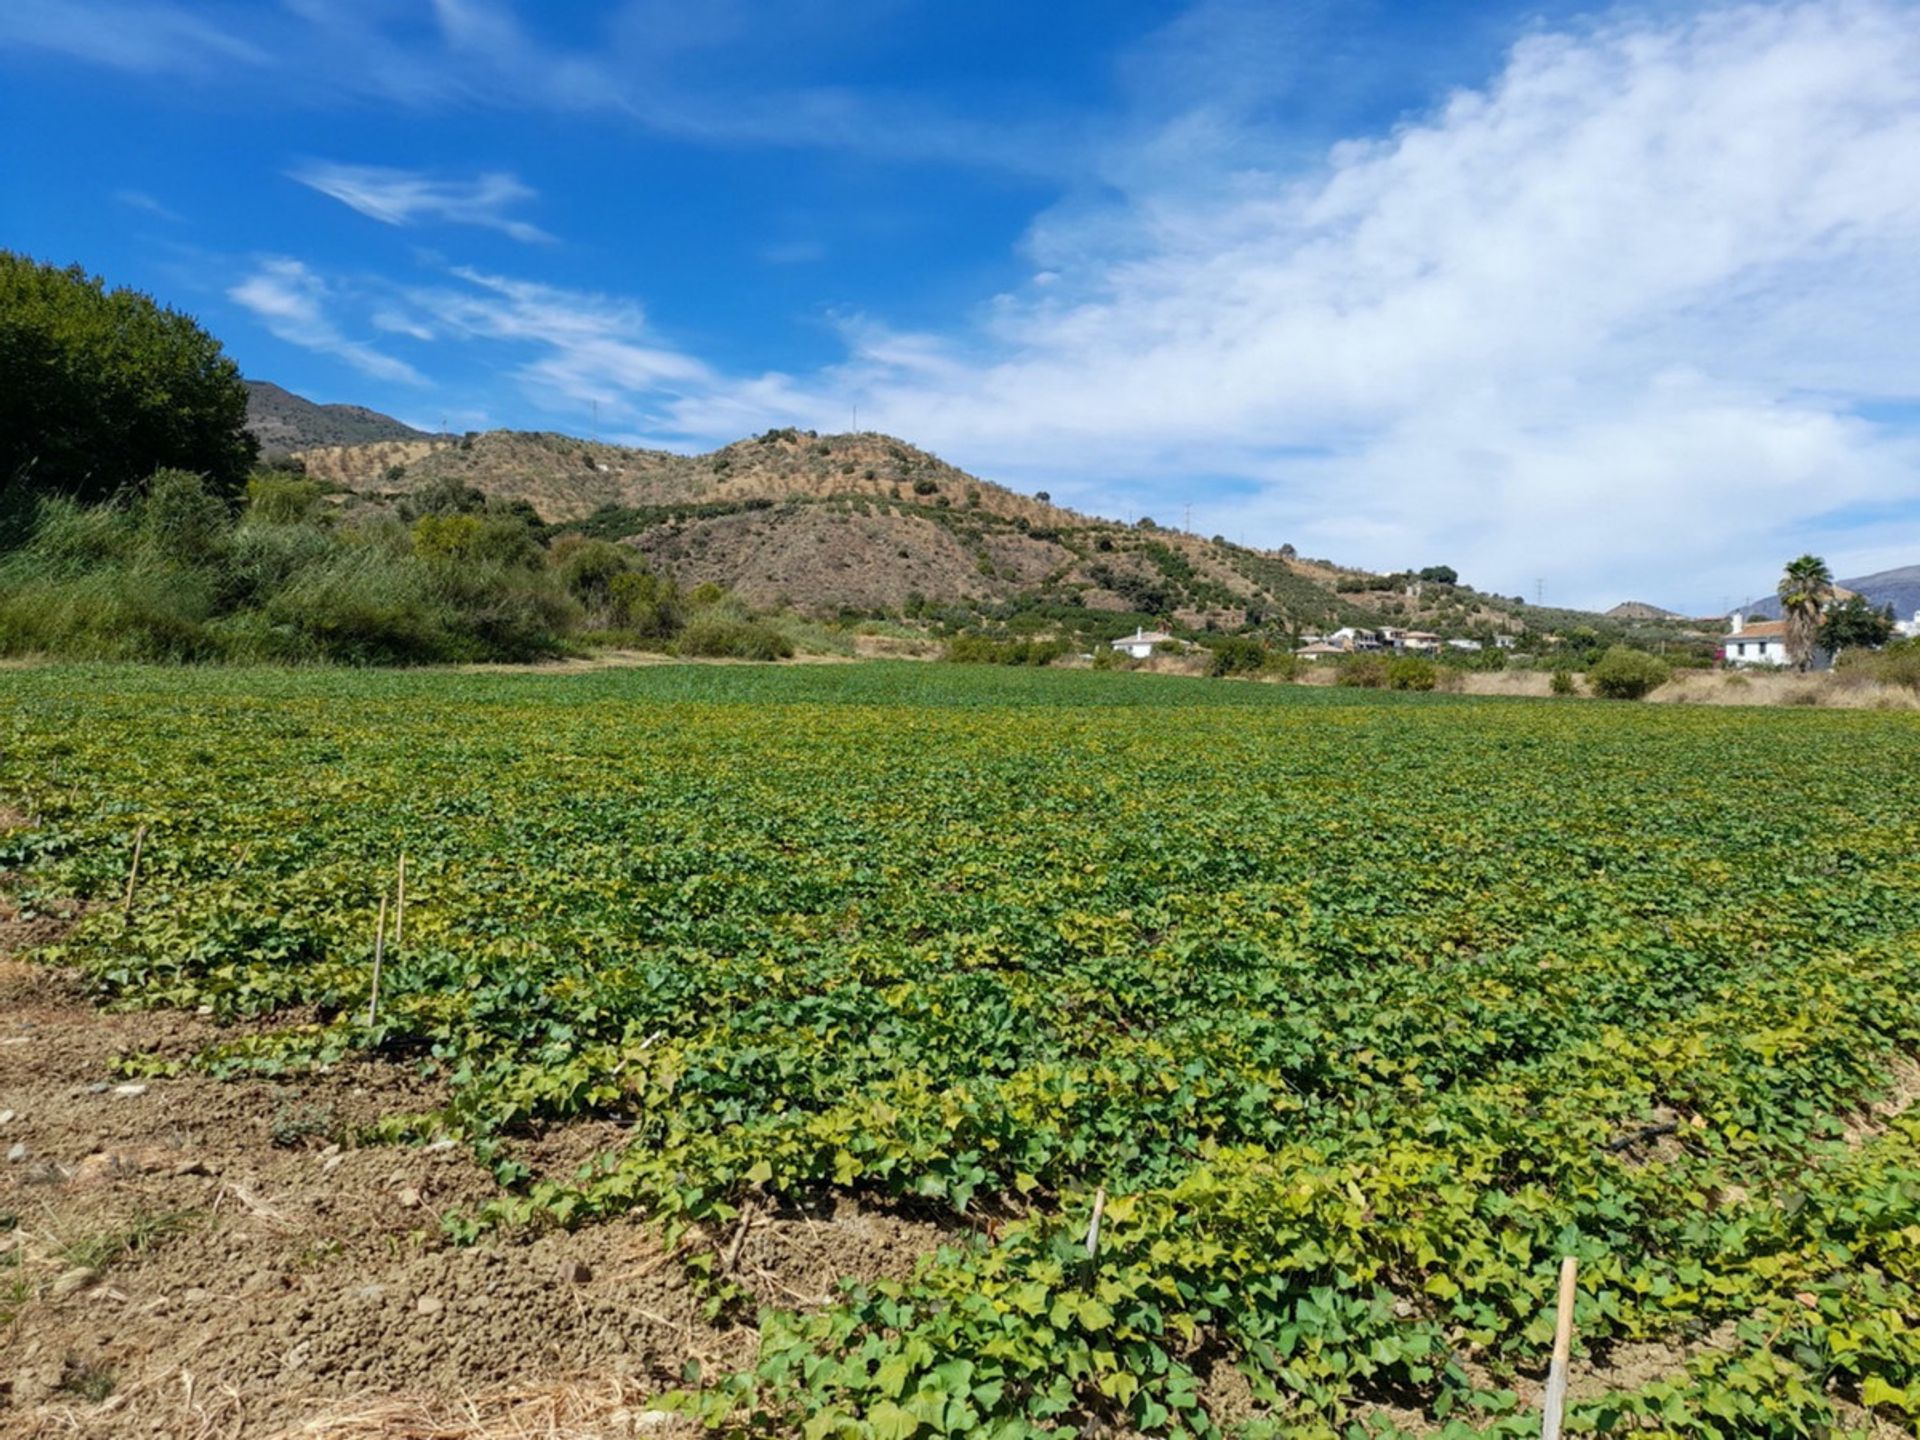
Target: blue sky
{"x": 1617, "y": 300}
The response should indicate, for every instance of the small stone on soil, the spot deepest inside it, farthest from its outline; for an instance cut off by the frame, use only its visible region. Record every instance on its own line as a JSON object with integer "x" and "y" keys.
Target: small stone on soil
{"x": 408, "y": 1197}
{"x": 72, "y": 1282}
{"x": 17, "y": 1151}
{"x": 576, "y": 1272}
{"x": 130, "y": 1090}
{"x": 6, "y": 1117}
{"x": 429, "y": 1305}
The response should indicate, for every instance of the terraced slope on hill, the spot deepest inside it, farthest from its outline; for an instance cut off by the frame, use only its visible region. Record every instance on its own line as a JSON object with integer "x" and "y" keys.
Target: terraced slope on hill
{"x": 869, "y": 523}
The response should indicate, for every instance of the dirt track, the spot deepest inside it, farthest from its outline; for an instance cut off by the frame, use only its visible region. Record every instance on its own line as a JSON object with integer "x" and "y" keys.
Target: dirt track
{"x": 192, "y": 1257}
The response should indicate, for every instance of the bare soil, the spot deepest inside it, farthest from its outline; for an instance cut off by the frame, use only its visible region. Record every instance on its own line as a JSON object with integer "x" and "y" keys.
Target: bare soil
{"x": 194, "y": 1257}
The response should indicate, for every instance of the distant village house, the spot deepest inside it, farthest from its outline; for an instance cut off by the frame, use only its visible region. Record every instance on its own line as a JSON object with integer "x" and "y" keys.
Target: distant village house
{"x": 1141, "y": 643}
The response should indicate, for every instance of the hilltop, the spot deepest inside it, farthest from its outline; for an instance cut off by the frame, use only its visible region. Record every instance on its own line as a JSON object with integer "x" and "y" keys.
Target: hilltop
{"x": 867, "y": 523}
{"x": 283, "y": 421}
{"x": 1639, "y": 610}
{"x": 1899, "y": 588}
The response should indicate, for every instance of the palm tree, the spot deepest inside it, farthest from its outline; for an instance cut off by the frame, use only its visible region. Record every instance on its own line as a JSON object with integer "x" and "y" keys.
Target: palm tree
{"x": 1804, "y": 591}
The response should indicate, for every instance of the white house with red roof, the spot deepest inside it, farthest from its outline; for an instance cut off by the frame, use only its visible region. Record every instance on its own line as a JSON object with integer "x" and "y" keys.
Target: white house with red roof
{"x": 1755, "y": 642}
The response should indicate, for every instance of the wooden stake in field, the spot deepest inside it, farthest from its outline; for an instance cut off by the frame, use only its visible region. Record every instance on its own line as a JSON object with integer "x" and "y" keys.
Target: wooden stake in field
{"x": 379, "y": 943}
{"x": 1093, "y": 1225}
{"x": 133, "y": 870}
{"x": 400, "y": 902}
{"x": 1556, "y": 1398}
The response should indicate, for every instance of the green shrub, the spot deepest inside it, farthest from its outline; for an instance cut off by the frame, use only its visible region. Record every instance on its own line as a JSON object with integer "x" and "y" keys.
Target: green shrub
{"x": 984, "y": 650}
{"x": 645, "y": 604}
{"x": 182, "y": 521}
{"x": 588, "y": 568}
{"x": 1626, "y": 674}
{"x": 1563, "y": 683}
{"x": 1409, "y": 672}
{"x": 1363, "y": 672}
{"x": 718, "y": 637}
{"x": 1897, "y": 664}
{"x": 1237, "y": 655}
{"x": 281, "y": 499}
{"x": 368, "y": 605}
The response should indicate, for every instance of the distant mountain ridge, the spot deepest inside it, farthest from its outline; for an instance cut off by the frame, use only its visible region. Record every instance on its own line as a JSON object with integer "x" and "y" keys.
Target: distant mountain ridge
{"x": 284, "y": 422}
{"x": 1899, "y": 587}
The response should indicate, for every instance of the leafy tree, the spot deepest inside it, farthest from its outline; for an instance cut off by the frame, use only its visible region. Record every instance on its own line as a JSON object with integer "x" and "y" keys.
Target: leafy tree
{"x": 1853, "y": 624}
{"x": 1441, "y": 575}
{"x": 1804, "y": 590}
{"x": 99, "y": 389}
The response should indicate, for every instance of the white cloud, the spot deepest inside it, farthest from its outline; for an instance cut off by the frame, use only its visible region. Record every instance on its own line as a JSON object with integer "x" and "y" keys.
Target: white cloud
{"x": 407, "y": 197}
{"x": 1602, "y": 321}
{"x": 290, "y": 301}
{"x": 129, "y": 35}
{"x": 141, "y": 200}
{"x": 586, "y": 348}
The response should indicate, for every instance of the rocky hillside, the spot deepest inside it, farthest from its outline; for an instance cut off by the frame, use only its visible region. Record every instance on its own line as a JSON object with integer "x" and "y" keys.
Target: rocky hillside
{"x": 867, "y": 523}
{"x": 283, "y": 422}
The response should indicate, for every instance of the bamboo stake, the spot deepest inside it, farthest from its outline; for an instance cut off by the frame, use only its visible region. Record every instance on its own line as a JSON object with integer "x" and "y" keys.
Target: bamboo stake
{"x": 133, "y": 870}
{"x": 1556, "y": 1397}
{"x": 739, "y": 1238}
{"x": 379, "y": 943}
{"x": 400, "y": 902}
{"x": 1093, "y": 1225}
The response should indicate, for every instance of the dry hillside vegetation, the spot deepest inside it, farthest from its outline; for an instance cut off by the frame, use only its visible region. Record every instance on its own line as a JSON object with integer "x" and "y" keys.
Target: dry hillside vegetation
{"x": 568, "y": 479}
{"x": 825, "y": 523}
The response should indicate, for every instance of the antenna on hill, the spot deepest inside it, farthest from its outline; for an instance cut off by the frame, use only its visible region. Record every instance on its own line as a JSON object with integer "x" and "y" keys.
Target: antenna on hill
{"x": 596, "y": 421}
{"x": 1539, "y": 592}
{"x": 856, "y": 419}
{"x": 1188, "y": 524}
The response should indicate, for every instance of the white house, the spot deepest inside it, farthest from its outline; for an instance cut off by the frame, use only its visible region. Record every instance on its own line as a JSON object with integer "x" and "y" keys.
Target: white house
{"x": 1140, "y": 644}
{"x": 1349, "y": 638}
{"x": 1758, "y": 642}
{"x": 1468, "y": 646}
{"x": 1321, "y": 650}
{"x": 1908, "y": 629}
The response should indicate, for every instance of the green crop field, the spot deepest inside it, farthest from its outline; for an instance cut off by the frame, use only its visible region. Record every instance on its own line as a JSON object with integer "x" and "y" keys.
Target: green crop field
{"x": 1362, "y": 1009}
